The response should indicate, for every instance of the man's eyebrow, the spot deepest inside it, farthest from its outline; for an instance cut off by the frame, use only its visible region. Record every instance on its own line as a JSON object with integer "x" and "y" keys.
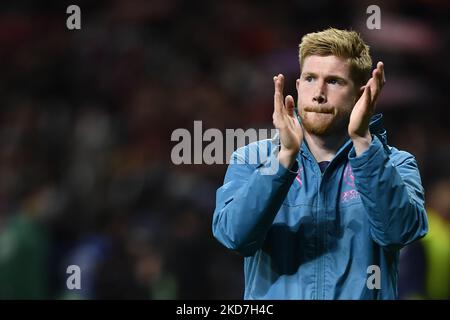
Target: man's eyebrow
{"x": 308, "y": 74}
{"x": 328, "y": 76}
{"x": 335, "y": 76}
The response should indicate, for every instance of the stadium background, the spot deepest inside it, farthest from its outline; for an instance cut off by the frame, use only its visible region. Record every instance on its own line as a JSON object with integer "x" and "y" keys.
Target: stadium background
{"x": 86, "y": 118}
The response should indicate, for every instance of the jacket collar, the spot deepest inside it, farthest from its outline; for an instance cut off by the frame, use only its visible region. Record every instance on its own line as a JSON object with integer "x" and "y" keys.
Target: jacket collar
{"x": 376, "y": 128}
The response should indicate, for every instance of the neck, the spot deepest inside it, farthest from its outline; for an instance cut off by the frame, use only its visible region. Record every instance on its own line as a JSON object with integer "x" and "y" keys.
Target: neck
{"x": 324, "y": 148}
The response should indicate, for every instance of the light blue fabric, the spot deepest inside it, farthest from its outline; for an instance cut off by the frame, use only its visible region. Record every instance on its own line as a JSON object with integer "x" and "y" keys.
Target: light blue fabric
{"x": 308, "y": 235}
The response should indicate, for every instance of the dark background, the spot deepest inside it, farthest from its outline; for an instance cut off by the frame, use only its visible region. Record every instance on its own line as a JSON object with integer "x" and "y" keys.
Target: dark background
{"x": 86, "y": 118}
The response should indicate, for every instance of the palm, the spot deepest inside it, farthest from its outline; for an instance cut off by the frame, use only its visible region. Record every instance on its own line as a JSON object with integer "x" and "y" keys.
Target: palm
{"x": 291, "y": 135}
{"x": 364, "y": 107}
{"x": 285, "y": 120}
{"x": 360, "y": 116}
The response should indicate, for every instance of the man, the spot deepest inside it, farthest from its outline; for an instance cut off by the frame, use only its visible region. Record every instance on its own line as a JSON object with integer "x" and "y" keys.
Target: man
{"x": 330, "y": 221}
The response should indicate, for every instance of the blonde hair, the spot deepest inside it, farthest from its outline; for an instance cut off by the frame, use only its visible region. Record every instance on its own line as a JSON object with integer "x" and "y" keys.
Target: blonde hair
{"x": 341, "y": 43}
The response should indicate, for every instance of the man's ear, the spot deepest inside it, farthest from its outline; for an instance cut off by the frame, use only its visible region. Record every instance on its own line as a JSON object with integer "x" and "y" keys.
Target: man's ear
{"x": 297, "y": 84}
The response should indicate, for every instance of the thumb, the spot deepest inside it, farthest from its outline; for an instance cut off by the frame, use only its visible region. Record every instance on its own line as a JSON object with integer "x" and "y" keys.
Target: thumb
{"x": 289, "y": 105}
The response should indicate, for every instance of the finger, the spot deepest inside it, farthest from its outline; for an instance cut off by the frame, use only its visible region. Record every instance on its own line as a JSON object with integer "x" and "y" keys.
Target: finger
{"x": 279, "y": 85}
{"x": 380, "y": 74}
{"x": 383, "y": 76}
{"x": 278, "y": 96}
{"x": 368, "y": 98}
{"x": 289, "y": 105}
{"x": 374, "y": 84}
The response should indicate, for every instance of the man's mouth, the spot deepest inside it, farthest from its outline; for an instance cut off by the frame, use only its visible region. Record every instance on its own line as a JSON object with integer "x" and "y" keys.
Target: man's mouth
{"x": 319, "y": 110}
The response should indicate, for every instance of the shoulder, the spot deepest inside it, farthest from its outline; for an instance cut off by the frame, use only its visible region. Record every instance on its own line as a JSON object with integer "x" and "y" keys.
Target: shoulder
{"x": 399, "y": 157}
{"x": 256, "y": 152}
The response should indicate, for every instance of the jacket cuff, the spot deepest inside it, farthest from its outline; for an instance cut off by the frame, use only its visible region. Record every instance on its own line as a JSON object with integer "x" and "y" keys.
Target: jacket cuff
{"x": 374, "y": 155}
{"x": 272, "y": 167}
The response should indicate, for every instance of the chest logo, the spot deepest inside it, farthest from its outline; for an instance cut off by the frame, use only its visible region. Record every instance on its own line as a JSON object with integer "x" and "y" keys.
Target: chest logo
{"x": 349, "y": 179}
{"x": 299, "y": 177}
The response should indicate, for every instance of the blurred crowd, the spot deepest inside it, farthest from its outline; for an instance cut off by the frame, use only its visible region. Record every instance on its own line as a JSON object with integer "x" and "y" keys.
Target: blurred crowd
{"x": 86, "y": 118}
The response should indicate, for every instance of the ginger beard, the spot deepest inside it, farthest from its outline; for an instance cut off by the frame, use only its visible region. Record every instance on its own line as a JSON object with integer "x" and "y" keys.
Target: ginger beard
{"x": 325, "y": 120}
{"x": 326, "y": 95}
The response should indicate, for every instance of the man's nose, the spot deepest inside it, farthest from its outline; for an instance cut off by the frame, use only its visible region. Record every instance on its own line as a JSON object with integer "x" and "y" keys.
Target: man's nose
{"x": 320, "y": 96}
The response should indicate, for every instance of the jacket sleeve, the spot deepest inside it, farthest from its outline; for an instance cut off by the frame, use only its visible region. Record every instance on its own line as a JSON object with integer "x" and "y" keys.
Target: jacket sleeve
{"x": 392, "y": 194}
{"x": 248, "y": 201}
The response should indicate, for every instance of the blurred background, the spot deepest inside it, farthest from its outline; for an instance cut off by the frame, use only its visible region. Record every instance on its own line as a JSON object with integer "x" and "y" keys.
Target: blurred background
{"x": 86, "y": 118}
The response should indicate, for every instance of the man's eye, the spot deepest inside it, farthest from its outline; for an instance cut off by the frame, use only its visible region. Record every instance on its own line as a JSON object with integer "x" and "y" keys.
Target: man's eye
{"x": 308, "y": 78}
{"x": 333, "y": 81}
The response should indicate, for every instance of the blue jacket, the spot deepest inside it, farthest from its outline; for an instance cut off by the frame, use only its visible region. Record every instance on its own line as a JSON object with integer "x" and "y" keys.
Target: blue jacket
{"x": 308, "y": 235}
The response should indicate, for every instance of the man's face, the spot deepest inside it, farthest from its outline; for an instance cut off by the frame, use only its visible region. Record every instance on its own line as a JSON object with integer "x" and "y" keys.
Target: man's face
{"x": 326, "y": 95}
